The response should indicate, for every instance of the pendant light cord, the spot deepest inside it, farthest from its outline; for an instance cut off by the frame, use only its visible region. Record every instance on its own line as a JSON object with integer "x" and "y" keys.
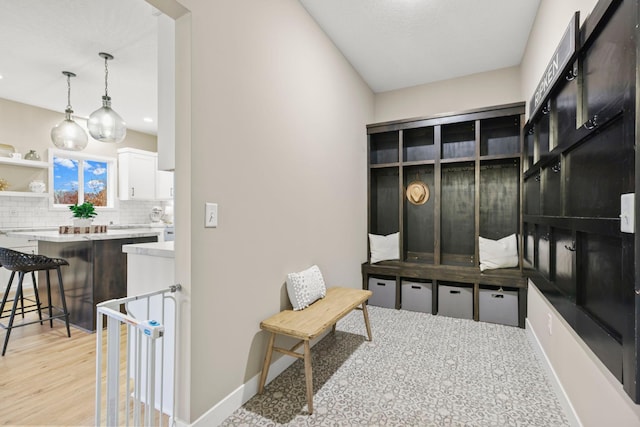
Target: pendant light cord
{"x": 68, "y": 92}
{"x": 106, "y": 77}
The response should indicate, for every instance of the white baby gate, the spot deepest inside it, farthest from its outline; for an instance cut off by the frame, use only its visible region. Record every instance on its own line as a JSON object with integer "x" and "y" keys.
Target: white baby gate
{"x": 140, "y": 388}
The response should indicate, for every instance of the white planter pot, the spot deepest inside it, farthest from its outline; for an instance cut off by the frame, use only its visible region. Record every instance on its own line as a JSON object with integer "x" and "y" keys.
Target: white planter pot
{"x": 82, "y": 222}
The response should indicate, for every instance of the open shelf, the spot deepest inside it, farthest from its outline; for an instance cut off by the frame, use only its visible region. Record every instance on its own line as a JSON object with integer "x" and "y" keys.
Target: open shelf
{"x": 22, "y": 194}
{"x": 24, "y": 163}
{"x": 470, "y": 163}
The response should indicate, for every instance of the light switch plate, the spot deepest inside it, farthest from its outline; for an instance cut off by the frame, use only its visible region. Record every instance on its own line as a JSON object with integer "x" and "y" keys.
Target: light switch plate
{"x": 210, "y": 215}
{"x": 627, "y": 213}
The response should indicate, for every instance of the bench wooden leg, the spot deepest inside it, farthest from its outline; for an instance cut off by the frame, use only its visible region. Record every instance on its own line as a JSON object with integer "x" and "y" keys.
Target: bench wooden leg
{"x": 308, "y": 375}
{"x": 366, "y": 319}
{"x": 267, "y": 362}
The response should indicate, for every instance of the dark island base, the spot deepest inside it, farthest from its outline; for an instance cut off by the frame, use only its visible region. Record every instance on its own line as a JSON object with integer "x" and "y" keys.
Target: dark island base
{"x": 97, "y": 272}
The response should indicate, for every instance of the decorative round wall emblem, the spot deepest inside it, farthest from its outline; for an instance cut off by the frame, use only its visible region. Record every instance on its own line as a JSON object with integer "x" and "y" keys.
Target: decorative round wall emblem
{"x": 417, "y": 193}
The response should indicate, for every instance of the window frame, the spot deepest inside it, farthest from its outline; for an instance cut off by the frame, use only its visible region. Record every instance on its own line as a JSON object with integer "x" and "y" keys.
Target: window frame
{"x": 112, "y": 171}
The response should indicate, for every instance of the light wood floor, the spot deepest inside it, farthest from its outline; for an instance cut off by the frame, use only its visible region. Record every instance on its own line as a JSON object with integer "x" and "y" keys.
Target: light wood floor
{"x": 48, "y": 379}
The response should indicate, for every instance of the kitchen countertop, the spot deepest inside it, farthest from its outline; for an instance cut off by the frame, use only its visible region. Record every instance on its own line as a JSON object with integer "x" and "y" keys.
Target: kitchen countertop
{"x": 156, "y": 249}
{"x": 111, "y": 234}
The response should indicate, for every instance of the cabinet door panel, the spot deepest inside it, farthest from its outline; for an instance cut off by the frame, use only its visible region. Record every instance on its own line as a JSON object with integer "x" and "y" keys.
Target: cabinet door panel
{"x": 143, "y": 177}
{"x": 164, "y": 185}
{"x": 137, "y": 174}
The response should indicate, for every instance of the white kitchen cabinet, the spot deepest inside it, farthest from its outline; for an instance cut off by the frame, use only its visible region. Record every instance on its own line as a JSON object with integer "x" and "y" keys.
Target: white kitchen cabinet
{"x": 139, "y": 177}
{"x": 136, "y": 174}
{"x": 20, "y": 245}
{"x": 164, "y": 185}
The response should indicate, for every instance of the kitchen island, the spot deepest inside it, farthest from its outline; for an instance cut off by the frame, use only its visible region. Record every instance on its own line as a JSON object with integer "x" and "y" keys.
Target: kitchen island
{"x": 97, "y": 268}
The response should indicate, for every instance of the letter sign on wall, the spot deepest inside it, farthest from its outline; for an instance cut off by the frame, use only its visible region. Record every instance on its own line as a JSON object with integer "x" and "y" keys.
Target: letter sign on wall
{"x": 557, "y": 66}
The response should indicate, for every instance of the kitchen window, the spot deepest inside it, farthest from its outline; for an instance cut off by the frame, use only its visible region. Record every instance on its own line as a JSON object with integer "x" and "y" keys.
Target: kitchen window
{"x": 79, "y": 178}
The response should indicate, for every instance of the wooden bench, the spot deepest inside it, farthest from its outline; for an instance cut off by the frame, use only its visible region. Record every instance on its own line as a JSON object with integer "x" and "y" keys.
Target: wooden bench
{"x": 308, "y": 324}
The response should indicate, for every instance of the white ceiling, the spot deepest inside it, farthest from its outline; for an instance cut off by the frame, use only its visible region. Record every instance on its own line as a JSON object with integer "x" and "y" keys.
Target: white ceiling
{"x": 401, "y": 43}
{"x": 392, "y": 44}
{"x": 41, "y": 38}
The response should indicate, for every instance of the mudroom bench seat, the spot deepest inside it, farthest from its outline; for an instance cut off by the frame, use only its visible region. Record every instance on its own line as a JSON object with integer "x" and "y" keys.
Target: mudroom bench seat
{"x": 309, "y": 323}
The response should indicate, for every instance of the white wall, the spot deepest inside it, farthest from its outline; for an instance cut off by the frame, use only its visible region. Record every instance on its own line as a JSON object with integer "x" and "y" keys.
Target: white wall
{"x": 595, "y": 394}
{"x": 597, "y": 397}
{"x": 464, "y": 93}
{"x": 278, "y": 140}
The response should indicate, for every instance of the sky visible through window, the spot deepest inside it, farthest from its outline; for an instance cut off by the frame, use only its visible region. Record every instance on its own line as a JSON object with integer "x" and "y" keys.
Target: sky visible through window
{"x": 67, "y": 181}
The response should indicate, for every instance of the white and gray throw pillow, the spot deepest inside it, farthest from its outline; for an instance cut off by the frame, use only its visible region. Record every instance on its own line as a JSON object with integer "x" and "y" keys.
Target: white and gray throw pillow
{"x": 305, "y": 287}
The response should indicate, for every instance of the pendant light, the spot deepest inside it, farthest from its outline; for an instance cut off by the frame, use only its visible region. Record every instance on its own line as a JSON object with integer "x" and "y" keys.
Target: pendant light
{"x": 69, "y": 135}
{"x": 105, "y": 125}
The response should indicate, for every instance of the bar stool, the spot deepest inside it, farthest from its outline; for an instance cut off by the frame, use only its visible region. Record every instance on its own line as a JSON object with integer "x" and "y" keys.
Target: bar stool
{"x": 22, "y": 263}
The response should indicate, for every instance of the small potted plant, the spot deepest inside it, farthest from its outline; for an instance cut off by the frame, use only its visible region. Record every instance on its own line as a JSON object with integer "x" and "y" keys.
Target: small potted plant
{"x": 83, "y": 214}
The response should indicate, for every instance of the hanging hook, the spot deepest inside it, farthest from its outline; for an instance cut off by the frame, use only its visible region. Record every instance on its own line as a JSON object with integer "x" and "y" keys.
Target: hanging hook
{"x": 591, "y": 123}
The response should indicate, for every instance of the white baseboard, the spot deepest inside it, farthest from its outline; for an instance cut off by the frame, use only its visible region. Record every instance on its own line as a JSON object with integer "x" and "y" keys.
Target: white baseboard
{"x": 569, "y": 410}
{"x": 227, "y": 406}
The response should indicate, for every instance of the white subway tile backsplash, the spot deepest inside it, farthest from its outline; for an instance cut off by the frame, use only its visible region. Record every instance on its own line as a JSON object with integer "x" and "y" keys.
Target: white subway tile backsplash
{"x": 24, "y": 212}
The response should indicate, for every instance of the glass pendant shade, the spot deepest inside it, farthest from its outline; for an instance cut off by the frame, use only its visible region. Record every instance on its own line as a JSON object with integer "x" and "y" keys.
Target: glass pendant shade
{"x": 105, "y": 125}
{"x": 68, "y": 135}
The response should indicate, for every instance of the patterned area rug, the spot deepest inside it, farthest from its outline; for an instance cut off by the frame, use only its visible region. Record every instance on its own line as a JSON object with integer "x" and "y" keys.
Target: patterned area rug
{"x": 419, "y": 370}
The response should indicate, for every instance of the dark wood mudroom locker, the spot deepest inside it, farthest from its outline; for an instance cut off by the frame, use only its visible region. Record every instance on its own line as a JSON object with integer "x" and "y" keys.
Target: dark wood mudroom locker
{"x": 562, "y": 177}
{"x": 581, "y": 160}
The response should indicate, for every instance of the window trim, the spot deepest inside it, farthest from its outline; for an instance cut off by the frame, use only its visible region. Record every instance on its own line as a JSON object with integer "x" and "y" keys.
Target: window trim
{"x": 112, "y": 172}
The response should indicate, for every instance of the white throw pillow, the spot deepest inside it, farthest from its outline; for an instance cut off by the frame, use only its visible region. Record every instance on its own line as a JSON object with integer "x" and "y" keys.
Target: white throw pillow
{"x": 305, "y": 287}
{"x": 384, "y": 247}
{"x": 501, "y": 253}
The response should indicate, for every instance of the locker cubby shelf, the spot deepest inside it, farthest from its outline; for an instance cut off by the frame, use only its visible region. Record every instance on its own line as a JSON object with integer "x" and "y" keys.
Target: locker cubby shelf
{"x": 470, "y": 163}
